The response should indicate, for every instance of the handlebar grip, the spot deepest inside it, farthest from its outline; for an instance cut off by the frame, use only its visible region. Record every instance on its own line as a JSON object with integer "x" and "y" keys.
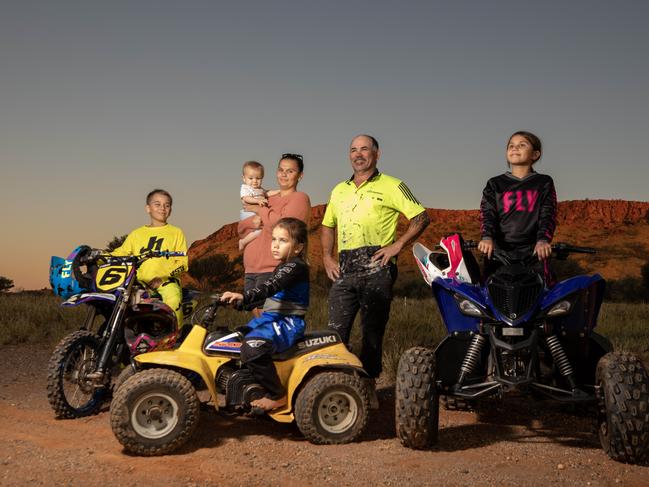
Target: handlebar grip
{"x": 564, "y": 247}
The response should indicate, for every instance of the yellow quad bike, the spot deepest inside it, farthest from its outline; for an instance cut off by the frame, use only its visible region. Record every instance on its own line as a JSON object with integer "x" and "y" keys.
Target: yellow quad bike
{"x": 156, "y": 410}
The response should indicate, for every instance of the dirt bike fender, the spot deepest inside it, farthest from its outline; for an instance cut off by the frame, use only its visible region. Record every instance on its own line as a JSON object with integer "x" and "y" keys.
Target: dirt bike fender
{"x": 297, "y": 370}
{"x": 85, "y": 298}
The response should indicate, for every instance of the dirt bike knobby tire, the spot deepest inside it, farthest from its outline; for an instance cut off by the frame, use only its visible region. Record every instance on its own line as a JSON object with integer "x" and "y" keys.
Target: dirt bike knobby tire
{"x": 416, "y": 399}
{"x": 623, "y": 420}
{"x": 318, "y": 401}
{"x": 56, "y": 375}
{"x": 151, "y": 383}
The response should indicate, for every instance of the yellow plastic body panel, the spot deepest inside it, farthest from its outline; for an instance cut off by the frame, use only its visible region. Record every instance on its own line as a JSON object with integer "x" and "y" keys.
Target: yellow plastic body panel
{"x": 190, "y": 356}
{"x": 292, "y": 372}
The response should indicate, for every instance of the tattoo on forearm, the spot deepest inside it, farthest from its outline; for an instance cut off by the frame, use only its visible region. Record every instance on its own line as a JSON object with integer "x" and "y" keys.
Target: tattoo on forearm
{"x": 417, "y": 225}
{"x": 420, "y": 222}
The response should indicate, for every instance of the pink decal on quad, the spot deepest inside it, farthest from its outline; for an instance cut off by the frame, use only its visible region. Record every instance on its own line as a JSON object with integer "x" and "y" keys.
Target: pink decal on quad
{"x": 454, "y": 250}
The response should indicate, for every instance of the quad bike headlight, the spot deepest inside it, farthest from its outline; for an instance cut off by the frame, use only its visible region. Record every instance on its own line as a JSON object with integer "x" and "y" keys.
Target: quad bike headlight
{"x": 561, "y": 308}
{"x": 468, "y": 307}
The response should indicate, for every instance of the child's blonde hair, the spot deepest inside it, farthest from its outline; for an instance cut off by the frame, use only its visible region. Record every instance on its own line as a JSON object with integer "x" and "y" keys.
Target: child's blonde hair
{"x": 297, "y": 232}
{"x": 253, "y": 165}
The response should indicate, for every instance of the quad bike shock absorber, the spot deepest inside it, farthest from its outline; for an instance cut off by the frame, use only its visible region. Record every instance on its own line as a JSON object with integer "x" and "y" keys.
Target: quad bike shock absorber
{"x": 561, "y": 359}
{"x": 472, "y": 356}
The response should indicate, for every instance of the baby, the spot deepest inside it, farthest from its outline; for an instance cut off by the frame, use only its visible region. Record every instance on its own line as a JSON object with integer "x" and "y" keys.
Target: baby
{"x": 252, "y": 194}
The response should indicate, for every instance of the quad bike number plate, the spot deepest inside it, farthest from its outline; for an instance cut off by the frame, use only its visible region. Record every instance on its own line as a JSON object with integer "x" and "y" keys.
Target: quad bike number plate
{"x": 513, "y": 332}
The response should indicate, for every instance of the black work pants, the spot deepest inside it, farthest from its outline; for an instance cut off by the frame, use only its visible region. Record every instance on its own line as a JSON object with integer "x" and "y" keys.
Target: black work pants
{"x": 372, "y": 295}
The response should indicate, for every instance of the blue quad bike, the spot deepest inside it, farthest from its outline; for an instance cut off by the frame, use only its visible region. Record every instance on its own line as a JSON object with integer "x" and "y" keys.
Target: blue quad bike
{"x": 513, "y": 333}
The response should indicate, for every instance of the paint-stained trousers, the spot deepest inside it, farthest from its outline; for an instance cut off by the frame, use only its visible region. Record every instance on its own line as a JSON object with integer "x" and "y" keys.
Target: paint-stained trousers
{"x": 372, "y": 295}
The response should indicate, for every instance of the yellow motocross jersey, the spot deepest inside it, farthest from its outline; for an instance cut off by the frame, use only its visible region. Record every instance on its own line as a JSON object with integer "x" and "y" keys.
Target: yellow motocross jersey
{"x": 367, "y": 215}
{"x": 166, "y": 238}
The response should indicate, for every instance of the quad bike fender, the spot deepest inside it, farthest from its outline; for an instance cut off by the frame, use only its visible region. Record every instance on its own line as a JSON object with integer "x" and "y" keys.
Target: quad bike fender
{"x": 190, "y": 357}
{"x": 578, "y": 283}
{"x": 585, "y": 293}
{"x": 295, "y": 372}
{"x": 444, "y": 291}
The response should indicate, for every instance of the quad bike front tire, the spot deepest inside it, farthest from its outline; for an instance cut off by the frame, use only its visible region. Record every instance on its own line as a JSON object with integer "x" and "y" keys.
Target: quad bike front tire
{"x": 154, "y": 412}
{"x": 332, "y": 408}
{"x": 416, "y": 399}
{"x": 69, "y": 392}
{"x": 623, "y": 400}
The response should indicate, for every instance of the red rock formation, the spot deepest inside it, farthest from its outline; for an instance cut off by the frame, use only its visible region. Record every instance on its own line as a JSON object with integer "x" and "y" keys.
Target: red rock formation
{"x": 618, "y": 229}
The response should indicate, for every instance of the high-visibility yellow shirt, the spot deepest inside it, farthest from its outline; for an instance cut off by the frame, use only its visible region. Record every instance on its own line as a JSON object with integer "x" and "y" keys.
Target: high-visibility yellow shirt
{"x": 367, "y": 215}
{"x": 167, "y": 238}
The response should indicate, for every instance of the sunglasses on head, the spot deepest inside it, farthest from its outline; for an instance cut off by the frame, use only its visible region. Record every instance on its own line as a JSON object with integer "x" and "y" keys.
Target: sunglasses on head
{"x": 297, "y": 157}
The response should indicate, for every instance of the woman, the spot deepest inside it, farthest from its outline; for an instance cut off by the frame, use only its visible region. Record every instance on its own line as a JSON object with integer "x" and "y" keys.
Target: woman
{"x": 258, "y": 262}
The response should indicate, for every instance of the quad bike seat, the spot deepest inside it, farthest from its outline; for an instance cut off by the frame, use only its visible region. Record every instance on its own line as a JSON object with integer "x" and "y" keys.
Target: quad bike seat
{"x": 220, "y": 341}
{"x": 312, "y": 340}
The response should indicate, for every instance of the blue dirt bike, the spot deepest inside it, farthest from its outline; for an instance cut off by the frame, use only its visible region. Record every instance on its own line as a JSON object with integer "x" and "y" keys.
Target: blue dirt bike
{"x": 123, "y": 320}
{"x": 514, "y": 333}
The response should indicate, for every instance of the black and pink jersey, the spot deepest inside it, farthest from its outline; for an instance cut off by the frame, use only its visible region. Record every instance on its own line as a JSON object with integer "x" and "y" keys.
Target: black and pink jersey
{"x": 516, "y": 213}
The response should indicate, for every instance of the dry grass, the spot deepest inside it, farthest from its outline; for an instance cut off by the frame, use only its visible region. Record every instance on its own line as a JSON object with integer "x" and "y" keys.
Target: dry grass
{"x": 34, "y": 318}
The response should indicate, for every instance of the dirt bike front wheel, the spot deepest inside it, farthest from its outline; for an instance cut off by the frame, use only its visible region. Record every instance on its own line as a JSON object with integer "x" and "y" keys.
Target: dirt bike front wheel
{"x": 69, "y": 391}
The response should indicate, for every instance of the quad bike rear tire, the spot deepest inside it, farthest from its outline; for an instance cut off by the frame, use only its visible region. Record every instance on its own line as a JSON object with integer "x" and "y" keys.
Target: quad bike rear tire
{"x": 332, "y": 408}
{"x": 623, "y": 400}
{"x": 69, "y": 392}
{"x": 417, "y": 401}
{"x": 154, "y": 412}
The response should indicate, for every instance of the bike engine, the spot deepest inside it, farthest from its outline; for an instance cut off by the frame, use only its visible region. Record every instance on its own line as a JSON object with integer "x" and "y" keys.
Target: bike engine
{"x": 239, "y": 386}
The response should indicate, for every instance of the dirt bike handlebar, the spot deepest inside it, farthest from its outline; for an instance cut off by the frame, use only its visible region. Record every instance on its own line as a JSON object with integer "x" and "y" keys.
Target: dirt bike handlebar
{"x": 95, "y": 255}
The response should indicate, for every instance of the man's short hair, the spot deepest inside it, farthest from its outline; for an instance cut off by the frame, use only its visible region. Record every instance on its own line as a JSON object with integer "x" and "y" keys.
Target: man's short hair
{"x": 159, "y": 191}
{"x": 375, "y": 143}
{"x": 253, "y": 165}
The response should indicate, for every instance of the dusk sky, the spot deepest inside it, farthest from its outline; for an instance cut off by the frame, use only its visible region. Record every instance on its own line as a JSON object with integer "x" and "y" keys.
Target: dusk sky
{"x": 103, "y": 101}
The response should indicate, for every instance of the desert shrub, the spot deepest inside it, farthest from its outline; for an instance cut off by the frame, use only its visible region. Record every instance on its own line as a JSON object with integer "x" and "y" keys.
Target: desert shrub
{"x": 644, "y": 272}
{"x": 626, "y": 290}
{"x": 5, "y": 284}
{"x": 216, "y": 271}
{"x": 115, "y": 242}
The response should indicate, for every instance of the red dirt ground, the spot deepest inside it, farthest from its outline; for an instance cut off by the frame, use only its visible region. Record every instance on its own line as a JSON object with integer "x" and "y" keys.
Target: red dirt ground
{"x": 526, "y": 444}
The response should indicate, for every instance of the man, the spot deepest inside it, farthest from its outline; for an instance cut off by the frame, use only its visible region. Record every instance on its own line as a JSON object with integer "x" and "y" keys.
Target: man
{"x": 364, "y": 211}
